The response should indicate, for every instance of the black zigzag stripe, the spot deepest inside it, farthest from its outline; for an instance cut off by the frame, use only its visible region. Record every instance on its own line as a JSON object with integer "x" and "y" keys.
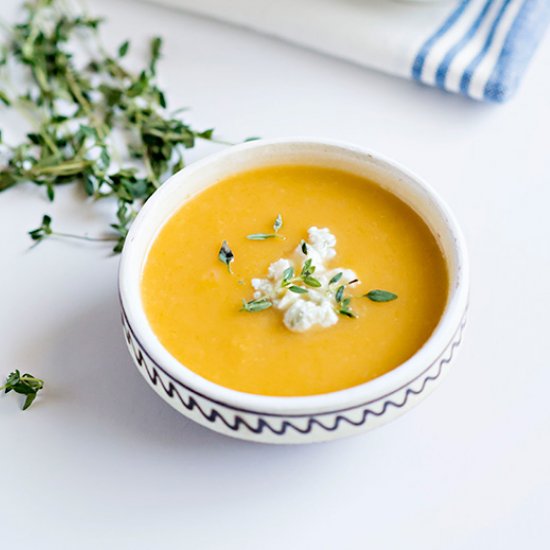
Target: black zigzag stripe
{"x": 239, "y": 422}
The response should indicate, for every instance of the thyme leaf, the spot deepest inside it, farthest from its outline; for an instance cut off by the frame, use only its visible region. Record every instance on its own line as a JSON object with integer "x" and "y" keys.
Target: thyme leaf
{"x": 256, "y": 305}
{"x": 278, "y": 223}
{"x": 312, "y": 282}
{"x": 298, "y": 289}
{"x": 123, "y": 49}
{"x": 226, "y": 256}
{"x": 347, "y": 313}
{"x": 307, "y": 269}
{"x": 380, "y": 296}
{"x": 288, "y": 274}
{"x": 261, "y": 236}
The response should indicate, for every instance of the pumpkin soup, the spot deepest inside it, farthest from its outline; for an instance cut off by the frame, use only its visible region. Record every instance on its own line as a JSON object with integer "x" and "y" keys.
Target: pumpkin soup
{"x": 294, "y": 280}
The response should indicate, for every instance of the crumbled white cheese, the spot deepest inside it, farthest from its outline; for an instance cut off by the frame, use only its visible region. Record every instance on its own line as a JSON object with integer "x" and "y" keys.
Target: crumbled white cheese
{"x": 276, "y": 269}
{"x": 318, "y": 306}
{"x": 322, "y": 241}
{"x": 302, "y": 315}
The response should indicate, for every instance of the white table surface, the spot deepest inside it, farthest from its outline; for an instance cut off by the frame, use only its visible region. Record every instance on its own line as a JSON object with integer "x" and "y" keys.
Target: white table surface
{"x": 99, "y": 461}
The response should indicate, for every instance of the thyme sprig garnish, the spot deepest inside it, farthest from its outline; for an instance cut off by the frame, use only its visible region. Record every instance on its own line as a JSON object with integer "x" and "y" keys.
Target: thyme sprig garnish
{"x": 81, "y": 113}
{"x": 305, "y": 277}
{"x": 343, "y": 303}
{"x": 277, "y": 224}
{"x": 320, "y": 290}
{"x": 307, "y": 274}
{"x": 25, "y": 384}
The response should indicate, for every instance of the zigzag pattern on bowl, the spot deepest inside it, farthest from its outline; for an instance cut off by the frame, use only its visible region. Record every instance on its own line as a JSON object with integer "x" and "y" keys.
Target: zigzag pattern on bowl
{"x": 256, "y": 422}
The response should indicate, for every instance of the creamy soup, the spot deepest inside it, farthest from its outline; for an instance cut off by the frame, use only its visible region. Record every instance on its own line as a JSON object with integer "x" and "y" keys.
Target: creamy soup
{"x": 193, "y": 292}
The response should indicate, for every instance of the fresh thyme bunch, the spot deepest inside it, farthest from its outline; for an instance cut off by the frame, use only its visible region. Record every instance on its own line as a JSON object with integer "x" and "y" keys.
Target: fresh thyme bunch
{"x": 79, "y": 109}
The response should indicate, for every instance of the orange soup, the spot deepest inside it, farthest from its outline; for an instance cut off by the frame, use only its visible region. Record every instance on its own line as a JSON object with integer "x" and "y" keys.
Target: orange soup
{"x": 193, "y": 292}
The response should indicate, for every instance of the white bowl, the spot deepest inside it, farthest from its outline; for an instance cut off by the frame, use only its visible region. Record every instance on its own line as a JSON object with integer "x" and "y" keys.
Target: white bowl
{"x": 292, "y": 419}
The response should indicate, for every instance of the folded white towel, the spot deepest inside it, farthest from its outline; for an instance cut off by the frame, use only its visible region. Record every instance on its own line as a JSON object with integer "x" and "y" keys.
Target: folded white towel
{"x": 478, "y": 48}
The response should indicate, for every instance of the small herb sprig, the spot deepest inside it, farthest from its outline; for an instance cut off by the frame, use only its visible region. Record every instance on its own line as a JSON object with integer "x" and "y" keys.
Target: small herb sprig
{"x": 334, "y": 290}
{"x": 277, "y": 224}
{"x": 226, "y": 256}
{"x": 45, "y": 230}
{"x": 343, "y": 302}
{"x": 306, "y": 278}
{"x": 82, "y": 113}
{"x": 24, "y": 384}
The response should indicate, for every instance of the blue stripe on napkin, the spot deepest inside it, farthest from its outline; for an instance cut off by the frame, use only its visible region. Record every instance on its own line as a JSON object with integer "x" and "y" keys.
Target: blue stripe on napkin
{"x": 467, "y": 76}
{"x": 443, "y": 68}
{"x": 521, "y": 42}
{"x": 502, "y": 75}
{"x": 418, "y": 64}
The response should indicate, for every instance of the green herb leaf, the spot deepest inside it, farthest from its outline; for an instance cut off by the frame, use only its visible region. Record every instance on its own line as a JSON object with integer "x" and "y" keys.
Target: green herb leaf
{"x": 4, "y": 99}
{"x": 226, "y": 255}
{"x": 156, "y": 45}
{"x": 288, "y": 274}
{"x": 380, "y": 296}
{"x": 43, "y": 231}
{"x": 123, "y": 48}
{"x": 307, "y": 269}
{"x": 347, "y": 313}
{"x": 339, "y": 293}
{"x": 311, "y": 281}
{"x": 25, "y": 384}
{"x": 261, "y": 236}
{"x": 256, "y": 305}
{"x": 298, "y": 289}
{"x": 28, "y": 401}
{"x": 336, "y": 278}
{"x": 278, "y": 223}
{"x": 304, "y": 248}
{"x": 206, "y": 134}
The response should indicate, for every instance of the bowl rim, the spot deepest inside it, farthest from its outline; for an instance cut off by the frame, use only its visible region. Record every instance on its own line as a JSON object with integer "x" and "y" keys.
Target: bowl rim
{"x": 336, "y": 401}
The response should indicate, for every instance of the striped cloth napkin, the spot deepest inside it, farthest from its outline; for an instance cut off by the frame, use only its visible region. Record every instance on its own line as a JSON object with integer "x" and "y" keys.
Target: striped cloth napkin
{"x": 478, "y": 48}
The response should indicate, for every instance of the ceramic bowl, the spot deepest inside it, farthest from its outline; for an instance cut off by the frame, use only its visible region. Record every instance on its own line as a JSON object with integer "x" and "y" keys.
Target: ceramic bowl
{"x": 292, "y": 419}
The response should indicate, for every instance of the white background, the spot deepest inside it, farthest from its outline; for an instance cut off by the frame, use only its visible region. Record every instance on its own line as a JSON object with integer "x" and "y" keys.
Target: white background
{"x": 100, "y": 461}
